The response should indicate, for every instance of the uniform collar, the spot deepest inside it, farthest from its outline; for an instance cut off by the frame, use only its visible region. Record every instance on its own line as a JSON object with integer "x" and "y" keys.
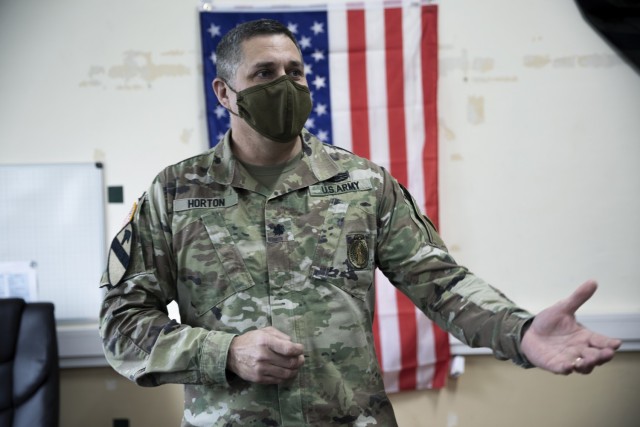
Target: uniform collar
{"x": 316, "y": 165}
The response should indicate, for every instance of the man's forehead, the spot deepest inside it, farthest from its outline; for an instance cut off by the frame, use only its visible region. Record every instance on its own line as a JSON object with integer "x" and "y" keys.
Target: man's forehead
{"x": 262, "y": 47}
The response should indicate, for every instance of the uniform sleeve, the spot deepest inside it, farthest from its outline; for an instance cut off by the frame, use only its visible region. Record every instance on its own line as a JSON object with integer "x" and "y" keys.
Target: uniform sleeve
{"x": 416, "y": 261}
{"x": 140, "y": 341}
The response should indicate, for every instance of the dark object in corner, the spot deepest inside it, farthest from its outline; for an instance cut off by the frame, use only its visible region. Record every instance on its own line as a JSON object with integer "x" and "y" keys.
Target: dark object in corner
{"x": 29, "y": 371}
{"x": 618, "y": 22}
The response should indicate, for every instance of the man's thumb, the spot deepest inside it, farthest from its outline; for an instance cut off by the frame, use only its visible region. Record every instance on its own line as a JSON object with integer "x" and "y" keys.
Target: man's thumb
{"x": 580, "y": 296}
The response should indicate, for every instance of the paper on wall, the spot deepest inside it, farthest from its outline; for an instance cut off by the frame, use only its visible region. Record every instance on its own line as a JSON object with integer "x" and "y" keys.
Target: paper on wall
{"x": 18, "y": 279}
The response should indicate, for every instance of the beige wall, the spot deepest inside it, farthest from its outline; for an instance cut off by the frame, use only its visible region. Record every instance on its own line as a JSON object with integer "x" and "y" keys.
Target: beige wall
{"x": 491, "y": 393}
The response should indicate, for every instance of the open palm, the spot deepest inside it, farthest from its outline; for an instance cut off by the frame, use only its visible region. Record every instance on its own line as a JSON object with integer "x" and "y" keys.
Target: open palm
{"x": 556, "y": 342}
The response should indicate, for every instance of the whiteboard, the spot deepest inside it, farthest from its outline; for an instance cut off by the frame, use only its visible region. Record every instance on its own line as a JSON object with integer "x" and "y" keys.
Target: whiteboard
{"x": 52, "y": 215}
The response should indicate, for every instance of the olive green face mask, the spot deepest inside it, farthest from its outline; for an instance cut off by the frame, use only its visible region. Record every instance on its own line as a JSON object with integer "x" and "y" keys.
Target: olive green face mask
{"x": 277, "y": 110}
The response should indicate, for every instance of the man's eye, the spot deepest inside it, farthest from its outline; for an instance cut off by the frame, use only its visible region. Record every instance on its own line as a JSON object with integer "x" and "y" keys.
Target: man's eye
{"x": 263, "y": 73}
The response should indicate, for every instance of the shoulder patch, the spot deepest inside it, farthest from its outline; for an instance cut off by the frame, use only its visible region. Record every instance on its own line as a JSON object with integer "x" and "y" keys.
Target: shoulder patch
{"x": 120, "y": 249}
{"x": 119, "y": 254}
{"x": 357, "y": 251}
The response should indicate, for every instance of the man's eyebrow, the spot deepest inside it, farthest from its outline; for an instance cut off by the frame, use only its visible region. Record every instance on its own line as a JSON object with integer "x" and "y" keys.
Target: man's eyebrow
{"x": 295, "y": 63}
{"x": 268, "y": 64}
{"x": 263, "y": 64}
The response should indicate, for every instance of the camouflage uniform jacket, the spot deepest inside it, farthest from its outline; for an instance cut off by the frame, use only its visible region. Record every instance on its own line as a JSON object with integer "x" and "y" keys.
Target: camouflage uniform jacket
{"x": 301, "y": 259}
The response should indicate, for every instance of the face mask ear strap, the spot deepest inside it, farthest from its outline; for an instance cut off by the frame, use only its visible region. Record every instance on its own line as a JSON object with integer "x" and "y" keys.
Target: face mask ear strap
{"x": 229, "y": 86}
{"x": 230, "y": 110}
{"x": 232, "y": 90}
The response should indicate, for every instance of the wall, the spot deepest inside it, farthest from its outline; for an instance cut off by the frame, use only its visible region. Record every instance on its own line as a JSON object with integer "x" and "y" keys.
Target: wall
{"x": 492, "y": 393}
{"x": 539, "y": 139}
{"x": 118, "y": 82}
{"x": 539, "y": 142}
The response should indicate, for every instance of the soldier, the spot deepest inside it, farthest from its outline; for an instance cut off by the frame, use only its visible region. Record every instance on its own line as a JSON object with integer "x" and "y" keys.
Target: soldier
{"x": 268, "y": 242}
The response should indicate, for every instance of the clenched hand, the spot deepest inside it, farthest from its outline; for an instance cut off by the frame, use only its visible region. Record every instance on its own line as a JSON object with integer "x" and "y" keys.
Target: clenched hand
{"x": 265, "y": 356}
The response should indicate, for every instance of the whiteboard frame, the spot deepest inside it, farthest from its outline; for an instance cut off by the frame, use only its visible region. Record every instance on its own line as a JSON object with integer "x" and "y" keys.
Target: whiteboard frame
{"x": 54, "y": 215}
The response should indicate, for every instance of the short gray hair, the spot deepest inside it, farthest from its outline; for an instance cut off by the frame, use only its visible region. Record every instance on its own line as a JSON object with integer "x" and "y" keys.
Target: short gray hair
{"x": 229, "y": 50}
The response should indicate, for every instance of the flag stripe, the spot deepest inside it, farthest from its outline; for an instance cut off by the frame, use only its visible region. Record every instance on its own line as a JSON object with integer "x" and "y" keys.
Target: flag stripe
{"x": 429, "y": 56}
{"x": 397, "y": 148}
{"x": 339, "y": 83}
{"x": 414, "y": 117}
{"x": 411, "y": 29}
{"x": 376, "y": 79}
{"x": 443, "y": 356}
{"x": 395, "y": 94}
{"x": 387, "y": 316}
{"x": 426, "y": 356}
{"x": 358, "y": 83}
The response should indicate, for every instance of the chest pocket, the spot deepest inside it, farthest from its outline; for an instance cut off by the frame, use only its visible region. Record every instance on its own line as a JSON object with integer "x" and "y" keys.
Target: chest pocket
{"x": 228, "y": 255}
{"x": 210, "y": 265}
{"x": 345, "y": 251}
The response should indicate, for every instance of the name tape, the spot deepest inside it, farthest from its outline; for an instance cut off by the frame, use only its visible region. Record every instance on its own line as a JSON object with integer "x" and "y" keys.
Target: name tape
{"x": 205, "y": 203}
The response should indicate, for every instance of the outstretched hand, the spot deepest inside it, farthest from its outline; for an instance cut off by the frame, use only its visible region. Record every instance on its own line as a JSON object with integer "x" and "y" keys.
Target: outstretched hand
{"x": 265, "y": 356}
{"x": 557, "y": 343}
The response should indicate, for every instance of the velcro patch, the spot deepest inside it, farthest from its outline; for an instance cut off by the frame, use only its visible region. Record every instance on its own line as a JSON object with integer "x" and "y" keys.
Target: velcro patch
{"x": 131, "y": 214}
{"x": 119, "y": 254}
{"x": 330, "y": 188}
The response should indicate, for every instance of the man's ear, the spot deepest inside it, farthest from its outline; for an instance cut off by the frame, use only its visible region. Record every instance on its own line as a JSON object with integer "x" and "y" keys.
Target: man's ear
{"x": 222, "y": 92}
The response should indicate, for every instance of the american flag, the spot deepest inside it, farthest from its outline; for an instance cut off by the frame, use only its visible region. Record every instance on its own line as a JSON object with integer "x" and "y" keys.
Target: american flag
{"x": 372, "y": 72}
